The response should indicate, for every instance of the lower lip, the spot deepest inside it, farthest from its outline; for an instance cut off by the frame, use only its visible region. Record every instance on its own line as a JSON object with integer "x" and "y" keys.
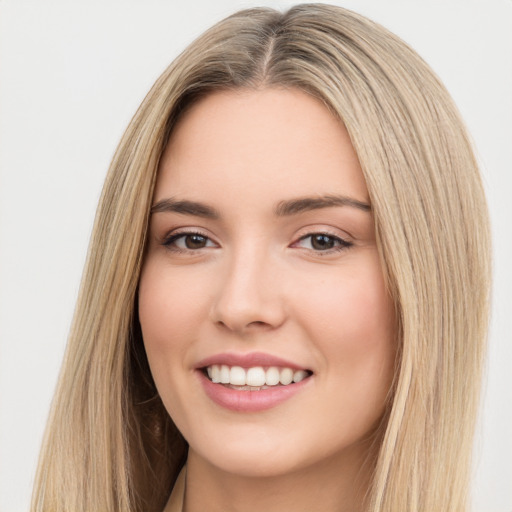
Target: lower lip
{"x": 249, "y": 401}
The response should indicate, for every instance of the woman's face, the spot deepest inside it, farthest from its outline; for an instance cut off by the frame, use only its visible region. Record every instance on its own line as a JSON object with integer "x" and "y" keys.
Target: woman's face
{"x": 262, "y": 267}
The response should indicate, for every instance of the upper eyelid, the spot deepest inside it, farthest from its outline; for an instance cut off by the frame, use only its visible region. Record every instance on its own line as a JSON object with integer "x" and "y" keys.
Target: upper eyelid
{"x": 324, "y": 230}
{"x": 187, "y": 231}
{"x": 169, "y": 242}
{"x": 176, "y": 234}
{"x": 346, "y": 243}
{"x": 308, "y": 231}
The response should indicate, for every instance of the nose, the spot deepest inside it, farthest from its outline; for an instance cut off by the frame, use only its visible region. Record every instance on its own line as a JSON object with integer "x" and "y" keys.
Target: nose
{"x": 249, "y": 296}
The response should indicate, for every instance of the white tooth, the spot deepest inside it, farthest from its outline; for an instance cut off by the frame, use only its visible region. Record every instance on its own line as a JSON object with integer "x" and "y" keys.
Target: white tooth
{"x": 224, "y": 374}
{"x": 209, "y": 372}
{"x": 256, "y": 376}
{"x": 215, "y": 373}
{"x": 272, "y": 376}
{"x": 286, "y": 376}
{"x": 299, "y": 375}
{"x": 237, "y": 376}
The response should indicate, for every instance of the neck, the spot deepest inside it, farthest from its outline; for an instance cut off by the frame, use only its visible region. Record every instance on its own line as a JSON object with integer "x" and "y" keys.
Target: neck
{"x": 335, "y": 485}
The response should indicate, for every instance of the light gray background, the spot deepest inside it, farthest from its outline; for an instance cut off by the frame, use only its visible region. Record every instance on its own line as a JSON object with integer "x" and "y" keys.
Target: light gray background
{"x": 71, "y": 76}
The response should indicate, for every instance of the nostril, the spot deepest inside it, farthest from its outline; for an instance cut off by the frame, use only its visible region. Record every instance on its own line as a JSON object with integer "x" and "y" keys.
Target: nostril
{"x": 255, "y": 325}
{"x": 258, "y": 323}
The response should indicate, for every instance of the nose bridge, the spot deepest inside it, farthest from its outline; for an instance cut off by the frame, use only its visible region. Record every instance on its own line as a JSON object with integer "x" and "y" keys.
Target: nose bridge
{"x": 248, "y": 294}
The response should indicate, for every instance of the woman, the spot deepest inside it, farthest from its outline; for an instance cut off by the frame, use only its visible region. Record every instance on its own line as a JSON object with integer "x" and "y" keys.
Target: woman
{"x": 296, "y": 199}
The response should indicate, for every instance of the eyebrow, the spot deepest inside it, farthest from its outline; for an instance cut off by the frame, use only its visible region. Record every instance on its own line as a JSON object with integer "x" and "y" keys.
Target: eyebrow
{"x": 186, "y": 208}
{"x": 282, "y": 209}
{"x": 304, "y": 204}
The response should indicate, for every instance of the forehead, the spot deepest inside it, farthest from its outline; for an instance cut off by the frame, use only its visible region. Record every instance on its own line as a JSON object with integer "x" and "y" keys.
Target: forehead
{"x": 269, "y": 142}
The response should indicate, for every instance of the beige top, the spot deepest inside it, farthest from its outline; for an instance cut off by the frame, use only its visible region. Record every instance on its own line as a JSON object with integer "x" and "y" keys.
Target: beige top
{"x": 175, "y": 503}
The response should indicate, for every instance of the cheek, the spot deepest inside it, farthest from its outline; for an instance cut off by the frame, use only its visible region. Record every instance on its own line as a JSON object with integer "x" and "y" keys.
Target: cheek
{"x": 352, "y": 321}
{"x": 354, "y": 302}
{"x": 168, "y": 311}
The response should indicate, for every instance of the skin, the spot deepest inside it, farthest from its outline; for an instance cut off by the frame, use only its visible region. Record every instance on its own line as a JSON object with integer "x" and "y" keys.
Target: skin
{"x": 259, "y": 283}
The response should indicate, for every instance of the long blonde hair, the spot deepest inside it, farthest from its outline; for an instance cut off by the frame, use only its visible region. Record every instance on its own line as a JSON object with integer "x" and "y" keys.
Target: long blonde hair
{"x": 110, "y": 445}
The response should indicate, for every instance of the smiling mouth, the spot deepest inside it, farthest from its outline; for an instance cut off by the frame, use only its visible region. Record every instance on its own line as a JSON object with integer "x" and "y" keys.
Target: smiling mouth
{"x": 255, "y": 378}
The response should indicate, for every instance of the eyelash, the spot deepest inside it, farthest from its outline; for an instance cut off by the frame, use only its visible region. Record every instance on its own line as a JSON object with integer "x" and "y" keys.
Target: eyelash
{"x": 170, "y": 241}
{"x": 340, "y": 244}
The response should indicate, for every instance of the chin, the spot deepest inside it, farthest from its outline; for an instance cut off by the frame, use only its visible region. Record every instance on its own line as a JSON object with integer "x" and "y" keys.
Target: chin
{"x": 259, "y": 453}
{"x": 254, "y": 464}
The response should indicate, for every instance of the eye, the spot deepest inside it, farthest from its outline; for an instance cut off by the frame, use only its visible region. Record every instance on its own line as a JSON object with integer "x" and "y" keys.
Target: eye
{"x": 322, "y": 242}
{"x": 188, "y": 242}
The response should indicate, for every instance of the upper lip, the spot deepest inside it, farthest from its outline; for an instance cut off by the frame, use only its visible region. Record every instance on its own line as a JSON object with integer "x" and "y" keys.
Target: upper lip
{"x": 248, "y": 360}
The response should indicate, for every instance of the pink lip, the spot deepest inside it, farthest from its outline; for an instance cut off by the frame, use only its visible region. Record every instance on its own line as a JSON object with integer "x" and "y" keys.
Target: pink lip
{"x": 249, "y": 401}
{"x": 248, "y": 360}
